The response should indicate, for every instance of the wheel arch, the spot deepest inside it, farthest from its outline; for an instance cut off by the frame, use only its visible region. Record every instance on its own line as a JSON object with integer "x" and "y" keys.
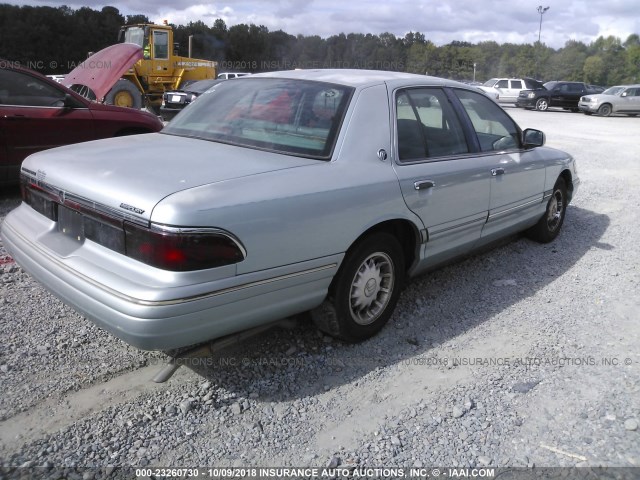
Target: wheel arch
{"x": 405, "y": 231}
{"x": 606, "y": 104}
{"x": 568, "y": 181}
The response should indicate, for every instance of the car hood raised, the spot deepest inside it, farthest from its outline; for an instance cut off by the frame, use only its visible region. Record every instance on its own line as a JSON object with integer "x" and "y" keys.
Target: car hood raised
{"x": 132, "y": 174}
{"x": 102, "y": 70}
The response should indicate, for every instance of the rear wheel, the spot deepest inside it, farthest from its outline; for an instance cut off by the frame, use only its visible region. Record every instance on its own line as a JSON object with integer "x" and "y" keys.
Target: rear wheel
{"x": 365, "y": 291}
{"x": 124, "y": 94}
{"x": 604, "y": 110}
{"x": 542, "y": 105}
{"x": 548, "y": 227}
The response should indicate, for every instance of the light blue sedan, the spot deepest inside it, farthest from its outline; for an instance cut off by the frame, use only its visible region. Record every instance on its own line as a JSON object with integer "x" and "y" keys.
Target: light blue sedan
{"x": 280, "y": 193}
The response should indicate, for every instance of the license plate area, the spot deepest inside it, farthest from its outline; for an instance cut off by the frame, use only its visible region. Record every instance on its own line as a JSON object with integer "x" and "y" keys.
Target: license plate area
{"x": 70, "y": 224}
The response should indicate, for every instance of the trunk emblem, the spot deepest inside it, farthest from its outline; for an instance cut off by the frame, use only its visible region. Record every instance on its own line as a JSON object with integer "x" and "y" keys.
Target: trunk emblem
{"x": 137, "y": 210}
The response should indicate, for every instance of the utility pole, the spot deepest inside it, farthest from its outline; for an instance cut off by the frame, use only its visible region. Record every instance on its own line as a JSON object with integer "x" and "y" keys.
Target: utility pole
{"x": 541, "y": 11}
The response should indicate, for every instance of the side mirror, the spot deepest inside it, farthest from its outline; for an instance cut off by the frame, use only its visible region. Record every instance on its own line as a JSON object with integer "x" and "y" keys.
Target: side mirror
{"x": 70, "y": 102}
{"x": 623, "y": 94}
{"x": 532, "y": 138}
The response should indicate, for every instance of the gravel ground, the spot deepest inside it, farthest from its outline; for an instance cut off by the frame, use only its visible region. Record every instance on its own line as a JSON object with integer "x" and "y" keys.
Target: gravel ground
{"x": 523, "y": 356}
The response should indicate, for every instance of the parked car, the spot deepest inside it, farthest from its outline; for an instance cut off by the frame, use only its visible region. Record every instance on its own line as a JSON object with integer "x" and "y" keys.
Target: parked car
{"x": 228, "y": 75}
{"x": 620, "y": 99}
{"x": 280, "y": 193}
{"x": 174, "y": 101}
{"x": 508, "y": 89}
{"x": 492, "y": 95}
{"x": 38, "y": 113}
{"x": 565, "y": 95}
{"x": 596, "y": 88}
{"x": 56, "y": 78}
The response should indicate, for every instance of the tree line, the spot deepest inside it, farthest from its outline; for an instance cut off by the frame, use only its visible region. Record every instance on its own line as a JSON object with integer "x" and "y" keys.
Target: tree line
{"x": 54, "y": 40}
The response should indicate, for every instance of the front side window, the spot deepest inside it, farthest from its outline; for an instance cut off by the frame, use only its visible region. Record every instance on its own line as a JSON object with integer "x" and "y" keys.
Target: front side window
{"x": 296, "y": 117}
{"x": 502, "y": 84}
{"x": 21, "y": 89}
{"x": 495, "y": 130}
{"x": 427, "y": 126}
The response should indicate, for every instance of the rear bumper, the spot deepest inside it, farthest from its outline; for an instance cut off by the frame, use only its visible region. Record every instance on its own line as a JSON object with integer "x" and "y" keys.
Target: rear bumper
{"x": 167, "y": 113}
{"x": 526, "y": 102}
{"x": 164, "y": 318}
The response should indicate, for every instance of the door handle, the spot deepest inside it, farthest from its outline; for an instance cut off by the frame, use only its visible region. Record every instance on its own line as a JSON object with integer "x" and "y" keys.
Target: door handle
{"x": 424, "y": 184}
{"x": 497, "y": 171}
{"x": 15, "y": 117}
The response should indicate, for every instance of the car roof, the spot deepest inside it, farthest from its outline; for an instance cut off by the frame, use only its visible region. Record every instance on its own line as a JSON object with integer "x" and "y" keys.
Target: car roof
{"x": 353, "y": 77}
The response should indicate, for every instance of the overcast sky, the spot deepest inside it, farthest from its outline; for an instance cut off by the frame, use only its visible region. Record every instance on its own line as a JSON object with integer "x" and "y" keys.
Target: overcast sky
{"x": 441, "y": 21}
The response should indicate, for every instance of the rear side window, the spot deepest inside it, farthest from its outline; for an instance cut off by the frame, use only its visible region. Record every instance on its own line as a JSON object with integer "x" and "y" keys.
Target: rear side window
{"x": 516, "y": 84}
{"x": 495, "y": 130}
{"x": 427, "y": 126}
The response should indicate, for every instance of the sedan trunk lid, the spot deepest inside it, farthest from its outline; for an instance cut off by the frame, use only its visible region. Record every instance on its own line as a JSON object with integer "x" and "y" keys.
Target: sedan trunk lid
{"x": 108, "y": 173}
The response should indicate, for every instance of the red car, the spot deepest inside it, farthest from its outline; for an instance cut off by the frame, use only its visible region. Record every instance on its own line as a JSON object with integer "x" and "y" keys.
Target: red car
{"x": 37, "y": 113}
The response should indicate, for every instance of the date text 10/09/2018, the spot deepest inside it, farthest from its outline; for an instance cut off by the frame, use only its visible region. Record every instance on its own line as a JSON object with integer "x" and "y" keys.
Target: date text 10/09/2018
{"x": 333, "y": 473}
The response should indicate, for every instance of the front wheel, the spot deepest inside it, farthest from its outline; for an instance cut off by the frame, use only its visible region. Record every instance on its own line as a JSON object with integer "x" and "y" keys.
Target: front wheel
{"x": 548, "y": 227}
{"x": 604, "y": 110}
{"x": 365, "y": 291}
{"x": 124, "y": 94}
{"x": 542, "y": 105}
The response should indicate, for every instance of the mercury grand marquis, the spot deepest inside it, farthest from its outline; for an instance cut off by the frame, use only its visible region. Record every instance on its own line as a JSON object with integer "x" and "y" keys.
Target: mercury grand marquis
{"x": 281, "y": 193}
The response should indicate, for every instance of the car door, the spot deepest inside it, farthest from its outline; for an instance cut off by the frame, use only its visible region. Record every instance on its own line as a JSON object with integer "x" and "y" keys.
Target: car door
{"x": 517, "y": 176}
{"x": 502, "y": 86}
{"x": 514, "y": 89}
{"x": 34, "y": 118}
{"x": 4, "y": 156}
{"x": 441, "y": 180}
{"x": 629, "y": 101}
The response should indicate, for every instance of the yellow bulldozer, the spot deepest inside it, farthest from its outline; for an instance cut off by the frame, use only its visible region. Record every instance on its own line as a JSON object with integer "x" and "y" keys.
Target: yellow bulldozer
{"x": 161, "y": 68}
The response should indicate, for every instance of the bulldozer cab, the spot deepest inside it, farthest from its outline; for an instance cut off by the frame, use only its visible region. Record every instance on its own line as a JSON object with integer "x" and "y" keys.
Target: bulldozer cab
{"x": 155, "y": 40}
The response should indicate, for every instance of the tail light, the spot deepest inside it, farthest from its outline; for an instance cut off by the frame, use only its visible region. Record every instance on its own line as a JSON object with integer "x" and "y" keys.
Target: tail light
{"x": 169, "y": 248}
{"x": 181, "y": 249}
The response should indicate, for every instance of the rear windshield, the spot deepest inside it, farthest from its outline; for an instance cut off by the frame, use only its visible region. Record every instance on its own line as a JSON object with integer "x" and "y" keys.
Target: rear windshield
{"x": 296, "y": 117}
{"x": 533, "y": 84}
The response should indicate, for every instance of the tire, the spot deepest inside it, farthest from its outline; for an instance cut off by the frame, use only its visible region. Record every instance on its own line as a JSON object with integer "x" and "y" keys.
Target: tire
{"x": 575, "y": 110}
{"x": 604, "y": 110}
{"x": 365, "y": 290}
{"x": 124, "y": 94}
{"x": 549, "y": 225}
{"x": 542, "y": 104}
